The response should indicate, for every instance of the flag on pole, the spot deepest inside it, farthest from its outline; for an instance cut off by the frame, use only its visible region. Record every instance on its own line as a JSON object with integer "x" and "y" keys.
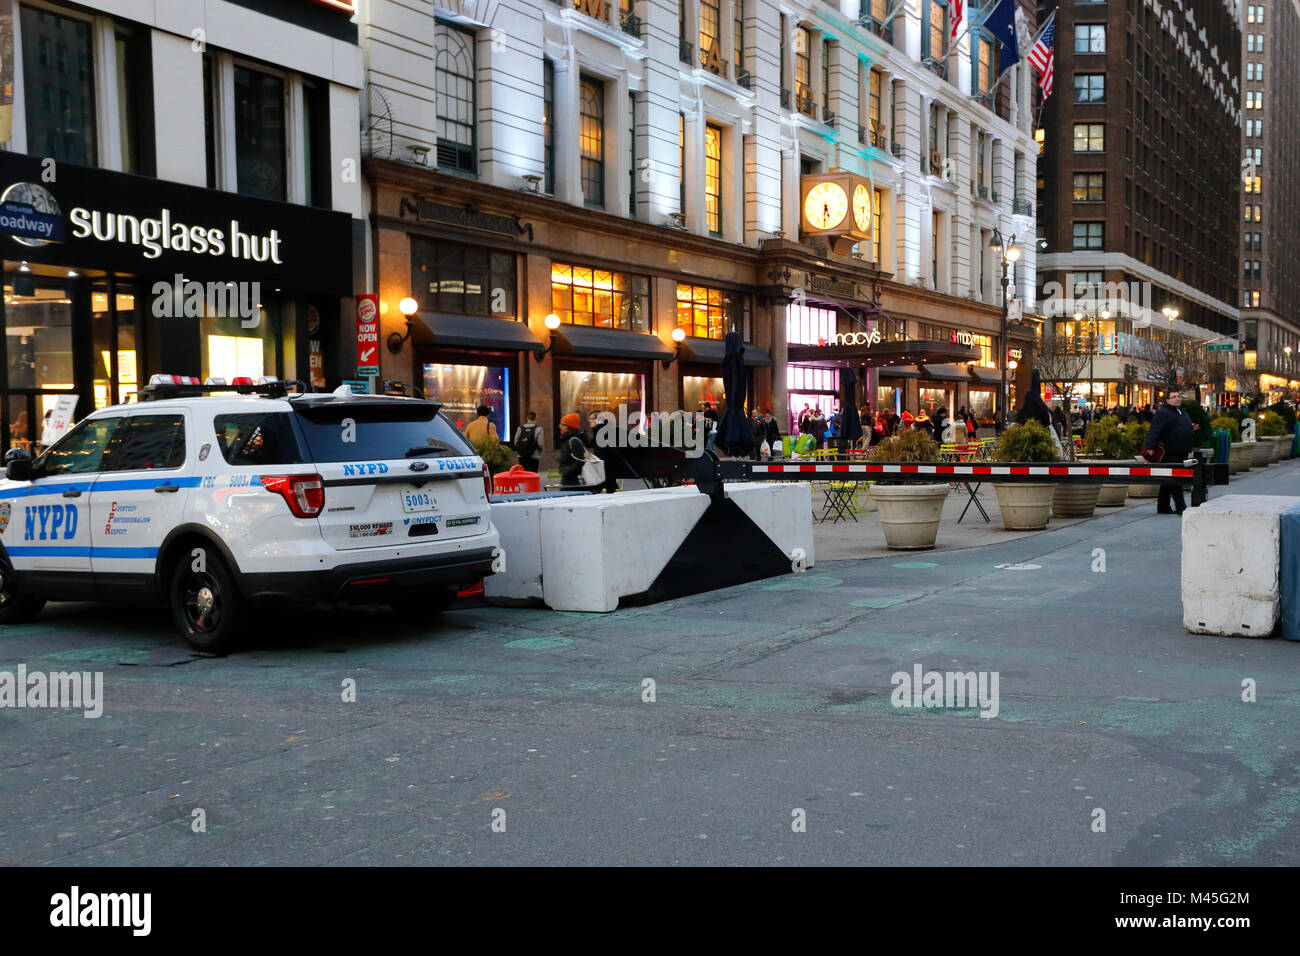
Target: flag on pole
{"x": 957, "y": 10}
{"x": 1043, "y": 56}
{"x": 1001, "y": 25}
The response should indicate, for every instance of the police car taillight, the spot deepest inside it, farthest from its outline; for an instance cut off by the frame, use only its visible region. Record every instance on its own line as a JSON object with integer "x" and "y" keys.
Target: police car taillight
{"x": 487, "y": 482}
{"x": 305, "y": 494}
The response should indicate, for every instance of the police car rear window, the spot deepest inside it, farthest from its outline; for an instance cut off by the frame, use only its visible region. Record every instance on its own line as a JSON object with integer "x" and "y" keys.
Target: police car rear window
{"x": 380, "y": 432}
{"x": 260, "y": 438}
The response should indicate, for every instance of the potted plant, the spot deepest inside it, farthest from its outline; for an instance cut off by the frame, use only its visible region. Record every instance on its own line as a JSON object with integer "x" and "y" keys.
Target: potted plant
{"x": 1025, "y": 507}
{"x": 1240, "y": 453}
{"x": 1136, "y": 433}
{"x": 494, "y": 454}
{"x": 1272, "y": 429}
{"x": 1106, "y": 443}
{"x": 1288, "y": 416}
{"x": 909, "y": 511}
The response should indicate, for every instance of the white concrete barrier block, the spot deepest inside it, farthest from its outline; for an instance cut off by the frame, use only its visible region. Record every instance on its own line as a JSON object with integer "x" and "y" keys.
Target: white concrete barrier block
{"x": 603, "y": 547}
{"x": 782, "y": 509}
{"x": 1230, "y": 561}
{"x": 519, "y": 524}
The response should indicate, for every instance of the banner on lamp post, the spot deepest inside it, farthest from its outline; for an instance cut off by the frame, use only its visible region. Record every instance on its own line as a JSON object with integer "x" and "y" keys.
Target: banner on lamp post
{"x": 367, "y": 334}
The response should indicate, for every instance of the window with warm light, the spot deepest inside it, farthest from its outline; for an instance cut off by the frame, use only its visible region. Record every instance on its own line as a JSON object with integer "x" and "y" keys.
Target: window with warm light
{"x": 583, "y": 295}
{"x": 713, "y": 178}
{"x": 708, "y": 313}
{"x": 591, "y": 140}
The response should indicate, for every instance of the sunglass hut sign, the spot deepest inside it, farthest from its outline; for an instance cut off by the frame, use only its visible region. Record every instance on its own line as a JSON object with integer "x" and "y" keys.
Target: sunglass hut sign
{"x": 164, "y": 233}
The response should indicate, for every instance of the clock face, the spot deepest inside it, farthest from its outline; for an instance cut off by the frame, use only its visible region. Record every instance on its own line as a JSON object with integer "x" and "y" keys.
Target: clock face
{"x": 826, "y": 205}
{"x": 862, "y": 208}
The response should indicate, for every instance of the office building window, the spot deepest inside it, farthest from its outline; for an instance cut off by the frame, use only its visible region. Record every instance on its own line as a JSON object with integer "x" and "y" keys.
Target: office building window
{"x": 803, "y": 69}
{"x": 1089, "y": 38}
{"x": 1089, "y": 137}
{"x": 827, "y": 55}
{"x": 1089, "y": 187}
{"x": 133, "y": 50}
{"x": 934, "y": 31}
{"x": 260, "y": 136}
{"x": 59, "y": 87}
{"x": 707, "y": 313}
{"x": 316, "y": 142}
{"x": 1090, "y": 87}
{"x": 713, "y": 178}
{"x": 455, "y": 91}
{"x": 738, "y": 37}
{"x": 548, "y": 125}
{"x": 461, "y": 279}
{"x": 591, "y": 139}
{"x": 1088, "y": 235}
{"x": 982, "y": 62}
{"x": 581, "y": 295}
{"x": 710, "y": 35}
{"x": 873, "y": 109}
{"x": 877, "y": 201}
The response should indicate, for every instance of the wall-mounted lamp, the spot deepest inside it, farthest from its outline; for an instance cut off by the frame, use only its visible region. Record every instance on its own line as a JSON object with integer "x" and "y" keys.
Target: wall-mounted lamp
{"x": 679, "y": 336}
{"x": 408, "y": 307}
{"x": 552, "y": 322}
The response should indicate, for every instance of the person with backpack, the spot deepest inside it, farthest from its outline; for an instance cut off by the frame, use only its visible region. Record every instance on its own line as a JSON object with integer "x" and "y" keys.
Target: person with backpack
{"x": 528, "y": 443}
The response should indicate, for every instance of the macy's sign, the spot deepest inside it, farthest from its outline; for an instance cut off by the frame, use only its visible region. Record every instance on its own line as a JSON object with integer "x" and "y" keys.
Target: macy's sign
{"x": 855, "y": 338}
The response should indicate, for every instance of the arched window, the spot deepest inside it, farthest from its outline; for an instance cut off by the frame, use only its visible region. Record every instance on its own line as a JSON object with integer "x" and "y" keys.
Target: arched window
{"x": 591, "y": 140}
{"x": 454, "y": 64}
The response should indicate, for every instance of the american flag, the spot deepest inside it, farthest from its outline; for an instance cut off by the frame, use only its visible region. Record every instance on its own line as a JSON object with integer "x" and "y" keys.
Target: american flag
{"x": 1043, "y": 57}
{"x": 958, "y": 13}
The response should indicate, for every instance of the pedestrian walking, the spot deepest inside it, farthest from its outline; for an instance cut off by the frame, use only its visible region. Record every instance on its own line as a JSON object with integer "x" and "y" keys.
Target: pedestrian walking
{"x": 481, "y": 427}
{"x": 573, "y": 451}
{"x": 529, "y": 443}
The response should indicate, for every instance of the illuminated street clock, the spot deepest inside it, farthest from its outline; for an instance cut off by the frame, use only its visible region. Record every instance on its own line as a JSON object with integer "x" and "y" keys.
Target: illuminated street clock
{"x": 837, "y": 205}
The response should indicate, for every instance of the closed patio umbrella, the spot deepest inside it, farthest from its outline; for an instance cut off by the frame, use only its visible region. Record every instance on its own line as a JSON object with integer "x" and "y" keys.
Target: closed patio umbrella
{"x": 850, "y": 421}
{"x": 735, "y": 436}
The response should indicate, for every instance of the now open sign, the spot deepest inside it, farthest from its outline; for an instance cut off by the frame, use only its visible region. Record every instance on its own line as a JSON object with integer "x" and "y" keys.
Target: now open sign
{"x": 367, "y": 334}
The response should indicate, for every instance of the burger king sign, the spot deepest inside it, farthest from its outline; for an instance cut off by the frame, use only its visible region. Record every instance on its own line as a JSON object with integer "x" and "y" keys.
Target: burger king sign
{"x": 367, "y": 335}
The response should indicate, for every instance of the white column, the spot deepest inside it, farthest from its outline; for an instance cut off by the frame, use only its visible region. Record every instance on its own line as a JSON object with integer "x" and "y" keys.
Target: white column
{"x": 568, "y": 167}
{"x": 180, "y": 141}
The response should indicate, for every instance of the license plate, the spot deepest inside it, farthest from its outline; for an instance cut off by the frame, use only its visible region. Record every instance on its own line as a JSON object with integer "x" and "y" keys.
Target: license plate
{"x": 416, "y": 502}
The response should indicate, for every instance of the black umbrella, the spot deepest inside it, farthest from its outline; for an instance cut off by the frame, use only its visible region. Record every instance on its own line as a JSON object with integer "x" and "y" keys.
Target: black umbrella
{"x": 734, "y": 434}
{"x": 850, "y": 422}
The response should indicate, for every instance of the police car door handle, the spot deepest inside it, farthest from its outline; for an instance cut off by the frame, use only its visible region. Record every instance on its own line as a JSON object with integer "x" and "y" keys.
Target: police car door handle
{"x": 72, "y": 493}
{"x": 161, "y": 489}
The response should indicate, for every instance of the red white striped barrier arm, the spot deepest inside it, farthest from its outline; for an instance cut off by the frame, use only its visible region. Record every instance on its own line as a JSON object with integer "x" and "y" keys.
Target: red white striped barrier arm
{"x": 975, "y": 470}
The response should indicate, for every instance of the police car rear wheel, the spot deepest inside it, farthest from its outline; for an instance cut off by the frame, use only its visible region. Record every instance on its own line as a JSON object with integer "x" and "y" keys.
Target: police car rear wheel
{"x": 205, "y": 602}
{"x": 15, "y": 607}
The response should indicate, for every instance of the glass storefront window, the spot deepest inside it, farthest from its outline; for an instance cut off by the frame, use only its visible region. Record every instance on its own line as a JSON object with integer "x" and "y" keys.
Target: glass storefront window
{"x": 696, "y": 390}
{"x": 230, "y": 350}
{"x": 59, "y": 85}
{"x": 582, "y": 295}
{"x": 462, "y": 279}
{"x": 38, "y": 335}
{"x": 259, "y": 134}
{"x": 461, "y": 389}
{"x": 887, "y": 397}
{"x": 983, "y": 402}
{"x": 933, "y": 399}
{"x": 585, "y": 391}
{"x": 807, "y": 325}
{"x": 101, "y": 322}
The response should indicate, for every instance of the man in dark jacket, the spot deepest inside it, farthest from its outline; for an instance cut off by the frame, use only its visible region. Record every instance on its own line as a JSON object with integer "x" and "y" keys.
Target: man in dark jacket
{"x": 1172, "y": 427}
{"x": 773, "y": 433}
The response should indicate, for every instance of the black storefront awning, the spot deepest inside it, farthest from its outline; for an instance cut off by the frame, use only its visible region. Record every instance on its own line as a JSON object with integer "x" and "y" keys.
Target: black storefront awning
{"x": 711, "y": 351}
{"x": 608, "y": 343}
{"x": 989, "y": 376}
{"x": 899, "y": 371}
{"x": 946, "y": 373}
{"x": 881, "y": 354}
{"x": 468, "y": 331}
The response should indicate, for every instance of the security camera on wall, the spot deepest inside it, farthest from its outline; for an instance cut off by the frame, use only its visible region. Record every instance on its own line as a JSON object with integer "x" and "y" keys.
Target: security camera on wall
{"x": 836, "y": 205}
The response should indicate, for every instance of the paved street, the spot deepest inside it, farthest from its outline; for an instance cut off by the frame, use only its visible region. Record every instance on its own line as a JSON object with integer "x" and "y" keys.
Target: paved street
{"x": 769, "y": 697}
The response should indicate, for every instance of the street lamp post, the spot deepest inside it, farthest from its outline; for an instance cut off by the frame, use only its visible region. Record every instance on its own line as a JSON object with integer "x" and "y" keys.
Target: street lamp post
{"x": 1008, "y": 253}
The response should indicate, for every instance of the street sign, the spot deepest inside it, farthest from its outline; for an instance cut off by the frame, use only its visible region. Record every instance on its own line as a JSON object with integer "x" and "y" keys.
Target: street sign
{"x": 358, "y": 386}
{"x": 1221, "y": 347}
{"x": 367, "y": 335}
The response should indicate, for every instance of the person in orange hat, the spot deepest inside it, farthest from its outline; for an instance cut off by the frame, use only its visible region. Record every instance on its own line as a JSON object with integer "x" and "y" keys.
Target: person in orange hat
{"x": 573, "y": 452}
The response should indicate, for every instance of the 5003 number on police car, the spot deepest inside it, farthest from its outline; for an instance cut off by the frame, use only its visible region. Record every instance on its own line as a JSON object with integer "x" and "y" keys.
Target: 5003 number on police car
{"x": 414, "y": 502}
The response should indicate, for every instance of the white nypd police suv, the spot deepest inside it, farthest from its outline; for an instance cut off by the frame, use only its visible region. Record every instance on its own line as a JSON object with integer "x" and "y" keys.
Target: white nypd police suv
{"x": 211, "y": 497}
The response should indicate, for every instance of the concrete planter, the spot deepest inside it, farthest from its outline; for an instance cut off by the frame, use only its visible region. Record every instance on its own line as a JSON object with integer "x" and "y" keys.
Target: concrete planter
{"x": 1025, "y": 507}
{"x": 1241, "y": 455}
{"x": 1281, "y": 444}
{"x": 1261, "y": 452}
{"x": 1075, "y": 501}
{"x": 909, "y": 514}
{"x": 1110, "y": 496}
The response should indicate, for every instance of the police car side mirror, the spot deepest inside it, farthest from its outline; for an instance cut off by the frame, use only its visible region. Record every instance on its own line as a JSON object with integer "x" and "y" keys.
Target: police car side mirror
{"x": 20, "y": 469}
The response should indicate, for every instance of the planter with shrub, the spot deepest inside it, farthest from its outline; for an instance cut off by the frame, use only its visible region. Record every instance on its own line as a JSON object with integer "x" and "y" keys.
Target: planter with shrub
{"x": 494, "y": 454}
{"x": 1240, "y": 453}
{"x": 1106, "y": 443}
{"x": 1272, "y": 429}
{"x": 1025, "y": 507}
{"x": 1289, "y": 417}
{"x": 1137, "y": 436}
{"x": 909, "y": 511}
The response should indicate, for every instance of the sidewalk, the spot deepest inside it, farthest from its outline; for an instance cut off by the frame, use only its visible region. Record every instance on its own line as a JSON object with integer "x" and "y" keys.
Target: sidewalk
{"x": 847, "y": 539}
